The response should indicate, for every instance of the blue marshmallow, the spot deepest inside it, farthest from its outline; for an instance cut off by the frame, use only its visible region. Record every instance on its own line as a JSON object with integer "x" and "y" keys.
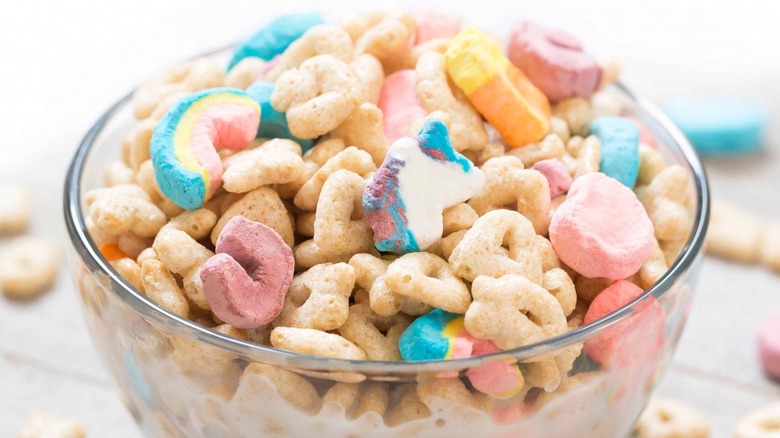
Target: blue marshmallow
{"x": 275, "y": 37}
{"x": 719, "y": 126}
{"x": 619, "y": 148}
{"x": 273, "y": 124}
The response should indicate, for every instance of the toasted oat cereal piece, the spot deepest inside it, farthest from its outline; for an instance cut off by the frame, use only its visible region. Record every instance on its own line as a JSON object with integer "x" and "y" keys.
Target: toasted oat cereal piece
{"x": 577, "y": 114}
{"x": 277, "y": 161}
{"x": 482, "y": 252}
{"x": 322, "y": 39}
{"x": 430, "y": 280}
{"x": 543, "y": 374}
{"x": 118, "y": 173}
{"x": 135, "y": 145}
{"x": 161, "y": 287}
{"x": 374, "y": 397}
{"x": 512, "y": 311}
{"x": 376, "y": 335}
{"x": 308, "y": 254}
{"x": 458, "y": 217}
{"x": 589, "y": 288}
{"x": 196, "y": 359}
{"x": 667, "y": 418}
{"x": 408, "y": 408}
{"x": 183, "y": 255}
{"x": 125, "y": 208}
{"x": 363, "y": 129}
{"x": 551, "y": 146}
{"x": 448, "y": 244}
{"x": 666, "y": 201}
{"x": 387, "y": 38}
{"x": 508, "y": 184}
{"x": 586, "y": 153}
{"x": 342, "y": 394}
{"x": 316, "y": 343}
{"x": 313, "y": 159}
{"x": 560, "y": 127}
{"x": 130, "y": 271}
{"x": 369, "y": 275}
{"x": 304, "y": 223}
{"x": 369, "y": 72}
{"x": 317, "y": 97}
{"x": 605, "y": 103}
{"x": 319, "y": 298}
{"x": 28, "y": 267}
{"x": 770, "y": 246}
{"x": 339, "y": 225}
{"x": 14, "y": 208}
{"x": 46, "y": 425}
{"x": 260, "y": 205}
{"x": 292, "y": 388}
{"x": 760, "y": 423}
{"x": 452, "y": 390}
{"x": 560, "y": 285}
{"x": 734, "y": 234}
{"x": 654, "y": 268}
{"x": 651, "y": 163}
{"x": 351, "y": 158}
{"x": 245, "y": 73}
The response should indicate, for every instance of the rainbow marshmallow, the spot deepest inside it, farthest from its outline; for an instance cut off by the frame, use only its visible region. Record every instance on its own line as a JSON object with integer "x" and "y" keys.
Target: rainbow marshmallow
{"x": 185, "y": 141}
{"x": 435, "y": 336}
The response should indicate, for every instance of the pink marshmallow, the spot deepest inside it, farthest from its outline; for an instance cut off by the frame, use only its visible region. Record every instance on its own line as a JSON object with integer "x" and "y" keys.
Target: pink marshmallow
{"x": 554, "y": 61}
{"x": 399, "y": 104}
{"x": 432, "y": 24}
{"x": 557, "y": 175}
{"x": 246, "y": 282}
{"x": 499, "y": 379}
{"x": 601, "y": 229}
{"x": 645, "y": 136}
{"x": 769, "y": 346}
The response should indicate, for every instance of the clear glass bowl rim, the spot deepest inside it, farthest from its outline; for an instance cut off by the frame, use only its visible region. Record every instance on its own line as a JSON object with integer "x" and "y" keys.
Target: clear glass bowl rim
{"x": 149, "y": 310}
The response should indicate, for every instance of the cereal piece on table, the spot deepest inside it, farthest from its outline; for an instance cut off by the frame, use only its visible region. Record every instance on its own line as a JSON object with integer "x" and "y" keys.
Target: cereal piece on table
{"x": 551, "y": 146}
{"x": 420, "y": 177}
{"x": 130, "y": 271}
{"x": 666, "y": 200}
{"x": 594, "y": 241}
{"x": 245, "y": 283}
{"x": 317, "y": 96}
{"x": 400, "y": 103}
{"x": 512, "y": 311}
{"x": 245, "y": 73}
{"x": 409, "y": 407}
{"x": 46, "y": 425}
{"x": 28, "y": 267}
{"x": 339, "y": 225}
{"x": 292, "y": 388}
{"x": 554, "y": 61}
{"x": 198, "y": 74}
{"x": 719, "y": 126}
{"x": 668, "y": 418}
{"x": 377, "y": 335}
{"x": 14, "y": 208}
{"x": 560, "y": 285}
{"x": 759, "y": 423}
{"x": 429, "y": 279}
{"x": 369, "y": 72}
{"x": 351, "y": 158}
{"x": 509, "y": 185}
{"x": 557, "y": 176}
{"x": 318, "y": 298}
{"x": 183, "y": 255}
{"x": 260, "y": 205}
{"x": 458, "y": 217}
{"x": 769, "y": 346}
{"x": 587, "y": 155}
{"x": 277, "y": 161}
{"x": 363, "y": 129}
{"x": 273, "y": 123}
{"x": 369, "y": 274}
{"x": 733, "y": 234}
{"x": 433, "y": 89}
{"x": 770, "y": 246}
{"x": 388, "y": 38}
{"x": 433, "y": 24}
{"x": 160, "y": 286}
{"x": 619, "y": 148}
{"x": 315, "y": 343}
{"x": 654, "y": 268}
{"x": 184, "y": 143}
{"x": 274, "y": 38}
{"x": 499, "y": 379}
{"x": 651, "y": 163}
{"x": 480, "y": 251}
{"x": 118, "y": 173}
{"x": 126, "y": 208}
{"x": 498, "y": 89}
{"x": 322, "y": 39}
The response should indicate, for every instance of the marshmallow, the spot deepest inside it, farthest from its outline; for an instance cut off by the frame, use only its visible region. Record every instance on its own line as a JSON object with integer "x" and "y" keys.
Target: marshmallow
{"x": 619, "y": 148}
{"x": 435, "y": 336}
{"x": 769, "y": 346}
{"x": 432, "y": 24}
{"x": 399, "y": 103}
{"x": 557, "y": 175}
{"x": 273, "y": 124}
{"x": 273, "y": 38}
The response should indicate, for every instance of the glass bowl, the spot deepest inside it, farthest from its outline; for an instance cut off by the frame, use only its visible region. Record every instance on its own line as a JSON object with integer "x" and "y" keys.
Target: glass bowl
{"x": 181, "y": 379}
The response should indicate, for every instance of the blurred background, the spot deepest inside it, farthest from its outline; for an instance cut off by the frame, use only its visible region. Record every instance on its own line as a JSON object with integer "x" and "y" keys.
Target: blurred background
{"x": 66, "y": 62}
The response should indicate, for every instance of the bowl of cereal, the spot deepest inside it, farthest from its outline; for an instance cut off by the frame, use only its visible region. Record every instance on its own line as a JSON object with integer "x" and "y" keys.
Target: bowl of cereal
{"x": 386, "y": 227}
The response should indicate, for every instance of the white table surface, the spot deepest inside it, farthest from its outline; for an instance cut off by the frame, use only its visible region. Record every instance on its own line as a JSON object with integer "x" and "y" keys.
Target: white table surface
{"x": 64, "y": 62}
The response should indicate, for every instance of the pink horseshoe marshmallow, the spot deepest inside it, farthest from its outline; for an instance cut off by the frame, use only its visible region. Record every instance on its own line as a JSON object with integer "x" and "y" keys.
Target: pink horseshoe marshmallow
{"x": 399, "y": 104}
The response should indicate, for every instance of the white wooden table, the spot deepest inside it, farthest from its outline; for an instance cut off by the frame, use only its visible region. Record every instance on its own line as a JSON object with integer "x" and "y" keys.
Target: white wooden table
{"x": 64, "y": 62}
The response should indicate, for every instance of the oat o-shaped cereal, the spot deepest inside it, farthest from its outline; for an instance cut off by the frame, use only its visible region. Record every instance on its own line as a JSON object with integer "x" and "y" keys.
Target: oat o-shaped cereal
{"x": 377, "y": 335}
{"x": 315, "y": 343}
{"x": 507, "y": 183}
{"x": 190, "y": 76}
{"x": 313, "y": 159}
{"x": 125, "y": 208}
{"x": 482, "y": 252}
{"x": 323, "y": 39}
{"x": 666, "y": 200}
{"x": 670, "y": 418}
{"x": 245, "y": 73}
{"x": 160, "y": 286}
{"x": 654, "y": 268}
{"x": 651, "y": 163}
{"x": 363, "y": 129}
{"x": 183, "y": 255}
{"x": 408, "y": 408}
{"x": 319, "y": 298}
{"x": 559, "y": 284}
{"x": 387, "y": 38}
{"x": 551, "y": 146}
{"x": 277, "y": 161}
{"x": 512, "y": 311}
{"x": 369, "y": 275}
{"x": 466, "y": 128}
{"x": 351, "y": 158}
{"x": 261, "y": 379}
{"x": 369, "y": 72}
{"x": 428, "y": 278}
{"x": 260, "y": 205}
{"x": 339, "y": 226}
{"x": 586, "y": 153}
{"x": 317, "y": 97}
